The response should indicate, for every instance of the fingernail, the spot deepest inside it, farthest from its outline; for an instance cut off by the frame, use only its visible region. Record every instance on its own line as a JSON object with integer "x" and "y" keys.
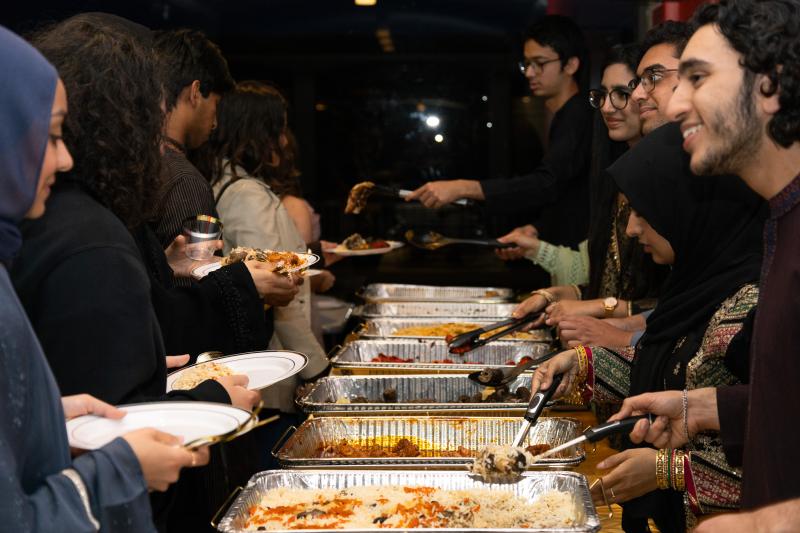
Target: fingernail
{"x": 601, "y": 464}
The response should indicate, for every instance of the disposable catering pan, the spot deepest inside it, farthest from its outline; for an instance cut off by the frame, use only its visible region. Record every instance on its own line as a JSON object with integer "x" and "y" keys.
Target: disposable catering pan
{"x": 432, "y": 435}
{"x": 435, "y": 309}
{"x": 395, "y": 292}
{"x": 387, "y": 327}
{"x": 359, "y": 354}
{"x": 416, "y": 394}
{"x": 532, "y": 486}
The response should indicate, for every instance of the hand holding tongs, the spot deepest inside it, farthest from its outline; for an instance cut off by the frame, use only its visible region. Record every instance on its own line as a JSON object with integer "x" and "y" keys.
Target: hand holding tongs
{"x": 470, "y": 340}
{"x": 497, "y": 377}
{"x": 535, "y": 408}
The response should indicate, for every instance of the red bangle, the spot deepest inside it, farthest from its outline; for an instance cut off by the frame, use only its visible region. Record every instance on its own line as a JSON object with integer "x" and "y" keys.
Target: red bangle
{"x": 691, "y": 490}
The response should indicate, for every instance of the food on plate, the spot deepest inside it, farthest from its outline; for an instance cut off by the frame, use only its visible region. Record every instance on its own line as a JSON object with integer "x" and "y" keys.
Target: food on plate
{"x": 192, "y": 377}
{"x": 357, "y": 242}
{"x": 280, "y": 261}
{"x": 453, "y": 329}
{"x": 499, "y": 464}
{"x": 357, "y": 199}
{"x": 397, "y": 507}
{"x": 487, "y": 395}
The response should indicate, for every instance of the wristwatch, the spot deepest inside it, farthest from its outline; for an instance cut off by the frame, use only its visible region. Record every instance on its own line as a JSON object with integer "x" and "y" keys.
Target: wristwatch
{"x": 609, "y": 304}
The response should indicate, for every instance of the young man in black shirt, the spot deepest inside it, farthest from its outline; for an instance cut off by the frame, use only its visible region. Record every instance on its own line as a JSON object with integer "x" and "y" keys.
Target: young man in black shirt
{"x": 555, "y": 62}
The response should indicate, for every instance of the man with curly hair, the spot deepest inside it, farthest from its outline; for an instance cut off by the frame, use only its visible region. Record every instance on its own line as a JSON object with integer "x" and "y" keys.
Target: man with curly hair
{"x": 737, "y": 105}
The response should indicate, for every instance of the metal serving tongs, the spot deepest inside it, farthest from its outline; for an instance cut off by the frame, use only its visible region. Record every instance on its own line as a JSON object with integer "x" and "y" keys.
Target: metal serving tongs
{"x": 466, "y": 342}
{"x": 248, "y": 425}
{"x": 431, "y": 240}
{"x": 360, "y": 192}
{"x": 497, "y": 377}
{"x": 535, "y": 408}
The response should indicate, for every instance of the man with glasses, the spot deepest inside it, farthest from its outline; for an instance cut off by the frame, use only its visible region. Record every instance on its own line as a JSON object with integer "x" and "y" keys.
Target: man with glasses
{"x": 555, "y": 62}
{"x": 656, "y": 76}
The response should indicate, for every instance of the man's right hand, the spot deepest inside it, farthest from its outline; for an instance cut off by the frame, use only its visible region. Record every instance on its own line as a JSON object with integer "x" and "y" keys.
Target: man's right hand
{"x": 275, "y": 289}
{"x": 668, "y": 429}
{"x": 161, "y": 456}
{"x": 436, "y": 194}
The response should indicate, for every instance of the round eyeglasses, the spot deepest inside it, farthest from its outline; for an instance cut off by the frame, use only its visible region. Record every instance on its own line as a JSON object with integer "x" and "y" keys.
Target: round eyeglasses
{"x": 649, "y": 79}
{"x": 618, "y": 97}
{"x": 536, "y": 65}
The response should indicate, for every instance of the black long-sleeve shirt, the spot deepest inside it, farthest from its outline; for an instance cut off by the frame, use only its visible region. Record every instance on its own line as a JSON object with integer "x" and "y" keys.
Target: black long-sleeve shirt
{"x": 556, "y": 193}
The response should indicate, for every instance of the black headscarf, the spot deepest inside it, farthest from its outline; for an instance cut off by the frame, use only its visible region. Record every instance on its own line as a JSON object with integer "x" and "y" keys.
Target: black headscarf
{"x": 714, "y": 226}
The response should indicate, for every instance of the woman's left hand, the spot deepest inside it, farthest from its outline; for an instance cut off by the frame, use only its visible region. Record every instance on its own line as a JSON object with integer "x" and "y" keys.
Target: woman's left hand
{"x": 84, "y": 404}
{"x": 557, "y": 311}
{"x": 633, "y": 474}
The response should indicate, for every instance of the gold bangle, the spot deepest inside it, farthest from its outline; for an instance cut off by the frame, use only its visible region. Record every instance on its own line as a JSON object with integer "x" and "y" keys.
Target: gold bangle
{"x": 547, "y": 295}
{"x": 678, "y": 479}
{"x": 583, "y": 362}
{"x": 661, "y": 469}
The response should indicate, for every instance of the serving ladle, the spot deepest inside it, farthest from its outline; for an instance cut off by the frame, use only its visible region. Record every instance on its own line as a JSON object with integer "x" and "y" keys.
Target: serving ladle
{"x": 431, "y": 240}
{"x": 497, "y": 377}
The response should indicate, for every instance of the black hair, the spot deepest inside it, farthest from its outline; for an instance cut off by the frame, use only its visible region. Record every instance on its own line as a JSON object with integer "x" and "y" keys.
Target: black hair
{"x": 251, "y": 120}
{"x": 564, "y": 36}
{"x": 767, "y": 35}
{"x": 646, "y": 275}
{"x": 668, "y": 32}
{"x": 114, "y": 124}
{"x": 186, "y": 56}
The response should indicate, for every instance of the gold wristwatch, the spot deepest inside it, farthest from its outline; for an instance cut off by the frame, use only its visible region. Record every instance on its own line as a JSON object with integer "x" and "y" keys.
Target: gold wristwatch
{"x": 609, "y": 304}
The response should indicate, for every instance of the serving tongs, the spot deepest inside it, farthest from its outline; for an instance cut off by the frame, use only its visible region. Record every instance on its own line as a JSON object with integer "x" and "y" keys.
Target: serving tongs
{"x": 497, "y": 377}
{"x": 247, "y": 426}
{"x": 535, "y": 408}
{"x": 596, "y": 433}
{"x": 466, "y": 342}
{"x": 431, "y": 240}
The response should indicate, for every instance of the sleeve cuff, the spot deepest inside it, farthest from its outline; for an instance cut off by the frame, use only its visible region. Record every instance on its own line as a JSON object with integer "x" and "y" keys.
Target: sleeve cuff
{"x": 636, "y": 336}
{"x": 208, "y": 391}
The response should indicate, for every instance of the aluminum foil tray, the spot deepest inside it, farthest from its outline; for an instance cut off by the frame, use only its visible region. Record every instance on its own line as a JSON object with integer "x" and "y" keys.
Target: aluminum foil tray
{"x": 384, "y": 292}
{"x": 360, "y": 352}
{"x": 433, "y": 435}
{"x": 386, "y": 327}
{"x": 444, "y": 389}
{"x": 496, "y": 311}
{"x": 530, "y": 487}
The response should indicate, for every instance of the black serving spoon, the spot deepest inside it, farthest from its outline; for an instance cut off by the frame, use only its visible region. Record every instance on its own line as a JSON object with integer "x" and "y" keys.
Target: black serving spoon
{"x": 431, "y": 240}
{"x": 497, "y": 377}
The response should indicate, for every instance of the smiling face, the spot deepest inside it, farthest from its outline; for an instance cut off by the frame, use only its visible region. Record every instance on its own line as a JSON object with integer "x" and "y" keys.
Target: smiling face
{"x": 661, "y": 62}
{"x": 552, "y": 77}
{"x": 624, "y": 124}
{"x": 56, "y": 156}
{"x": 654, "y": 244}
{"x": 715, "y": 104}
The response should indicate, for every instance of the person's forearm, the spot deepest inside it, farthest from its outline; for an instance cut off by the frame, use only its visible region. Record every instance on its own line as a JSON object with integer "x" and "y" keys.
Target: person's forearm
{"x": 563, "y": 292}
{"x": 471, "y": 189}
{"x": 702, "y": 410}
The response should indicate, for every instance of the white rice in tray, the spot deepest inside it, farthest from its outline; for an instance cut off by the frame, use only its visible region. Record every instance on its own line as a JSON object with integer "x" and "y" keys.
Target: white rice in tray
{"x": 376, "y": 507}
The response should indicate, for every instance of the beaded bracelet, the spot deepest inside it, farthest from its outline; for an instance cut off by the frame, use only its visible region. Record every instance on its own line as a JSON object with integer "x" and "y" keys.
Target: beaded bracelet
{"x": 686, "y": 418}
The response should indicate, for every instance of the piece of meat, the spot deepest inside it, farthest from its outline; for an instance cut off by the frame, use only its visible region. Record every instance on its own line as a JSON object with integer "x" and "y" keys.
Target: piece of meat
{"x": 357, "y": 199}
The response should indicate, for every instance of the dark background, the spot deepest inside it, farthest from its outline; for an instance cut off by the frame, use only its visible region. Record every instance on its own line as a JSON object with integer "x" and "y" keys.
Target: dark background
{"x": 361, "y": 82}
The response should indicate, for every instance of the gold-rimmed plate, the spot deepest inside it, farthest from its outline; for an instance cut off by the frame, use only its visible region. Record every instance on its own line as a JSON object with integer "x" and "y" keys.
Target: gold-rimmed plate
{"x": 306, "y": 261}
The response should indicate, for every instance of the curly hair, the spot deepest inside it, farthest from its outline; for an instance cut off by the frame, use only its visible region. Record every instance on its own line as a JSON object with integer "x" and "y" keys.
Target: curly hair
{"x": 668, "y": 32}
{"x": 115, "y": 118}
{"x": 250, "y": 122}
{"x": 767, "y": 35}
{"x": 564, "y": 36}
{"x": 188, "y": 55}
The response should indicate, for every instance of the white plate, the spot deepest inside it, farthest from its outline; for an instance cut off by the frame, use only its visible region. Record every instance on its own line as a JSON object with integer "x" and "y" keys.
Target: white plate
{"x": 262, "y": 368}
{"x": 341, "y": 250}
{"x": 203, "y": 270}
{"x": 190, "y": 420}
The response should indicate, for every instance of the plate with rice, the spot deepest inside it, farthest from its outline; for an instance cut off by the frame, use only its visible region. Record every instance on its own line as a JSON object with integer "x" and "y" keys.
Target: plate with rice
{"x": 190, "y": 420}
{"x": 262, "y": 368}
{"x": 279, "y": 262}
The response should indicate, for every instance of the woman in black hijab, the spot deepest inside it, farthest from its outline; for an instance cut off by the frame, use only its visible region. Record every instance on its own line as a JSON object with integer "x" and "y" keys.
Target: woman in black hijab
{"x": 708, "y": 229}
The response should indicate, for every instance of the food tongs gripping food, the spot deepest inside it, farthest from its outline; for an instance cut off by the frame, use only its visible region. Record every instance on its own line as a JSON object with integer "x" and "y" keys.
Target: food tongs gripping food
{"x": 466, "y": 342}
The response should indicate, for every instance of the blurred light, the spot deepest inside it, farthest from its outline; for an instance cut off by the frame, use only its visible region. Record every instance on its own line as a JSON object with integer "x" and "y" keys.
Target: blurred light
{"x": 384, "y": 37}
{"x": 420, "y": 107}
{"x": 319, "y": 106}
{"x": 366, "y": 2}
{"x": 526, "y": 99}
{"x": 484, "y": 98}
{"x": 438, "y": 138}
{"x": 488, "y": 124}
{"x": 432, "y": 121}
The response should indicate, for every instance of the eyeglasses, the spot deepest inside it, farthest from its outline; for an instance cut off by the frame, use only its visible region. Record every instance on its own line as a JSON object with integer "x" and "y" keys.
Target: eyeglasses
{"x": 537, "y": 66}
{"x": 649, "y": 79}
{"x": 618, "y": 97}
